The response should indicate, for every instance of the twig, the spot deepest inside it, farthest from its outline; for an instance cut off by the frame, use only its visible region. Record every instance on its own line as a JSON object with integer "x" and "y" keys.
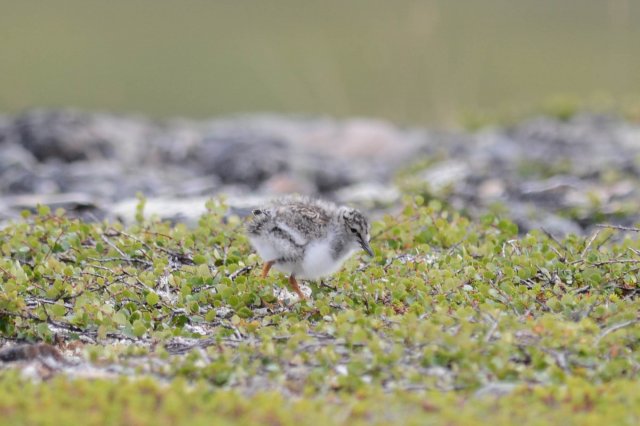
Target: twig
{"x": 588, "y": 246}
{"x": 126, "y": 258}
{"x": 514, "y": 246}
{"x": 492, "y": 330}
{"x": 185, "y": 258}
{"x": 225, "y": 252}
{"x": 616, "y": 327}
{"x": 325, "y": 285}
{"x": 613, "y": 261}
{"x": 9, "y": 274}
{"x": 561, "y": 258}
{"x": 495, "y": 284}
{"x": 51, "y": 247}
{"x": 36, "y": 300}
{"x": 590, "y": 309}
{"x": 136, "y": 239}
{"x": 123, "y": 259}
{"x": 113, "y": 246}
{"x": 240, "y": 271}
{"x": 618, "y": 227}
{"x": 555, "y": 240}
{"x": 560, "y": 357}
{"x": 604, "y": 241}
{"x": 582, "y": 289}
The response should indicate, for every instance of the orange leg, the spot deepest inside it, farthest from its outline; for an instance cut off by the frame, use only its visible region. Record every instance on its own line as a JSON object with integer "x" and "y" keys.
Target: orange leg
{"x": 294, "y": 286}
{"x": 265, "y": 269}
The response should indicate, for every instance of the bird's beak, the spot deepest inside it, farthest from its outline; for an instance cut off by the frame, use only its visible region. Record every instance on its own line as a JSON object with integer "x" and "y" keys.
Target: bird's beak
{"x": 366, "y": 247}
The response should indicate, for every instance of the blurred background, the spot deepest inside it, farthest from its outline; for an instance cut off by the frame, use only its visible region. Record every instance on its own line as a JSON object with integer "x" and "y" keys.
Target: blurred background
{"x": 527, "y": 109}
{"x": 428, "y": 62}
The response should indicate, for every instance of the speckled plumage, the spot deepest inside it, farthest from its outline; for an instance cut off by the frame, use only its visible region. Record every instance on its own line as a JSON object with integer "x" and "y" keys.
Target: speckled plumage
{"x": 307, "y": 238}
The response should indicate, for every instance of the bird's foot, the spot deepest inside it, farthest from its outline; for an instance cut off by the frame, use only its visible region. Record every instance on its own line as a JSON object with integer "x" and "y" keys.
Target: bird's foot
{"x": 296, "y": 288}
{"x": 273, "y": 306}
{"x": 265, "y": 269}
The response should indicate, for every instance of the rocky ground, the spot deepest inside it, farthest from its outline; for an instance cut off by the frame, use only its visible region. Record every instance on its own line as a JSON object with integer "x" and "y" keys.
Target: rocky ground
{"x": 561, "y": 175}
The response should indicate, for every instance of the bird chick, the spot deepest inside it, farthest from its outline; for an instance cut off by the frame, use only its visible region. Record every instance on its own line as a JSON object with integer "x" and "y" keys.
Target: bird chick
{"x": 307, "y": 238}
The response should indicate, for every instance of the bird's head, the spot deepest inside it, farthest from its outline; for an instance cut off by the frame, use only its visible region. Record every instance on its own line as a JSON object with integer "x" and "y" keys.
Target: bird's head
{"x": 356, "y": 227}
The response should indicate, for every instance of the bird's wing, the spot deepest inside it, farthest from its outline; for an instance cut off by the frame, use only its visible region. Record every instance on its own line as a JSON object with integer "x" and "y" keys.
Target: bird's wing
{"x": 281, "y": 225}
{"x": 312, "y": 216}
{"x": 302, "y": 223}
{"x": 291, "y": 233}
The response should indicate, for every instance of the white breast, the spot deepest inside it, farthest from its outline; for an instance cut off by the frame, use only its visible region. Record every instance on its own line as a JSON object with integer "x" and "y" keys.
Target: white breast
{"x": 266, "y": 249}
{"x": 318, "y": 261}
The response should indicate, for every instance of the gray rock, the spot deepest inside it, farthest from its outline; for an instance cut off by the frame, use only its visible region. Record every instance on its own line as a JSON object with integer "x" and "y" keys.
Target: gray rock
{"x": 369, "y": 195}
{"x": 561, "y": 175}
{"x": 245, "y": 159}
{"x": 16, "y": 169}
{"x": 528, "y": 216}
{"x": 445, "y": 174}
{"x": 185, "y": 210}
{"x": 62, "y": 135}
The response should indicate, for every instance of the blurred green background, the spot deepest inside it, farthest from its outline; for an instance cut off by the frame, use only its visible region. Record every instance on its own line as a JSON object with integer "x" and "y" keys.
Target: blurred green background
{"x": 419, "y": 62}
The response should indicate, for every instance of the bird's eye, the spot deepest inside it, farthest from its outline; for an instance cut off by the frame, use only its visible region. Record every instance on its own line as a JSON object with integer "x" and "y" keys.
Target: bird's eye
{"x": 354, "y": 230}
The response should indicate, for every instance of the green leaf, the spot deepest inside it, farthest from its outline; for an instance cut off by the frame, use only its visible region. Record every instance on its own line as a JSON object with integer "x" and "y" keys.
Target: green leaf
{"x": 152, "y": 298}
{"x": 199, "y": 259}
{"x": 58, "y": 310}
{"x": 245, "y": 312}
{"x": 139, "y": 328}
{"x": 43, "y": 210}
{"x": 43, "y": 330}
